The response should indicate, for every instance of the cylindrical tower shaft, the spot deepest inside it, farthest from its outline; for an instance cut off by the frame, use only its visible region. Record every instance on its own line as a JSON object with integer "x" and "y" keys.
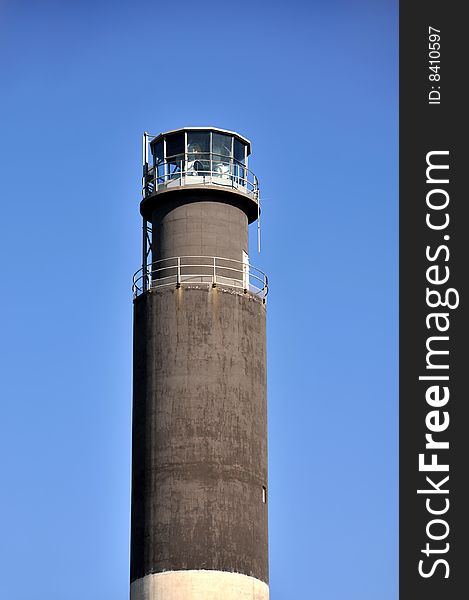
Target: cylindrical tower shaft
{"x": 199, "y": 467}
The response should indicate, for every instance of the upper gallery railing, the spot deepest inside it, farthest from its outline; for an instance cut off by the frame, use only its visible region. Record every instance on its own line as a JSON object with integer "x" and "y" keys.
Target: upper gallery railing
{"x": 200, "y": 169}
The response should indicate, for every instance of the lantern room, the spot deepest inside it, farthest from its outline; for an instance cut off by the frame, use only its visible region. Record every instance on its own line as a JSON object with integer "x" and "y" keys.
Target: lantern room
{"x": 198, "y": 157}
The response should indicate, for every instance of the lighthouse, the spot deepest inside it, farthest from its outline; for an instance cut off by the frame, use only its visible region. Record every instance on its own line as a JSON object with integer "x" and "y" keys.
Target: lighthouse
{"x": 199, "y": 430}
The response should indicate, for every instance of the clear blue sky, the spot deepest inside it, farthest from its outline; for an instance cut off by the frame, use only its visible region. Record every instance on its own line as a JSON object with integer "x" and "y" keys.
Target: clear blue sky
{"x": 313, "y": 84}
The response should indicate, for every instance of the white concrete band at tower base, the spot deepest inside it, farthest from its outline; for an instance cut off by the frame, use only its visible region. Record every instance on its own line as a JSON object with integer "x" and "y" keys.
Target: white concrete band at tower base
{"x": 198, "y": 585}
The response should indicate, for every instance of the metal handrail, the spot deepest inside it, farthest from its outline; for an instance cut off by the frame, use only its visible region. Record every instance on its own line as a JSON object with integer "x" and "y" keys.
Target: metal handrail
{"x": 206, "y": 154}
{"x": 237, "y": 175}
{"x": 213, "y": 272}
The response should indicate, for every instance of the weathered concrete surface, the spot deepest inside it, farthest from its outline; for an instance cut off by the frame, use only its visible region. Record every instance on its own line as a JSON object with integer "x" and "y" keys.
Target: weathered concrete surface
{"x": 199, "y": 433}
{"x": 198, "y": 585}
{"x": 200, "y": 228}
{"x": 183, "y": 195}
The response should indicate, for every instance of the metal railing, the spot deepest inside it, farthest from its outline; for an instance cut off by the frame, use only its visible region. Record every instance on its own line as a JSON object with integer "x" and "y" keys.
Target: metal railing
{"x": 204, "y": 168}
{"x": 212, "y": 270}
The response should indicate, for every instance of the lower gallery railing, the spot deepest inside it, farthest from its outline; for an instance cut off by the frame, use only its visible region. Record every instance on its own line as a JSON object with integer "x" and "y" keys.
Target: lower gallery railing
{"x": 211, "y": 270}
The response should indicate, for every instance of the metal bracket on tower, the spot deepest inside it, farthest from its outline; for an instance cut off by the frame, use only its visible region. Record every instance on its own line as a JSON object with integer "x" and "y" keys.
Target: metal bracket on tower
{"x": 147, "y": 252}
{"x": 259, "y": 224}
{"x": 147, "y": 237}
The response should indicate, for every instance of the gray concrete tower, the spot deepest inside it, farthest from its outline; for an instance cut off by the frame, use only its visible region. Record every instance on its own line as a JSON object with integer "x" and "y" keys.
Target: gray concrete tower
{"x": 199, "y": 441}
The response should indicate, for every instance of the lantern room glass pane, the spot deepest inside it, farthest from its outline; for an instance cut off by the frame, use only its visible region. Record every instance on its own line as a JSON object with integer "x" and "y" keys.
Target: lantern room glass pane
{"x": 198, "y": 141}
{"x": 221, "y": 144}
{"x": 174, "y": 155}
{"x": 239, "y": 151}
{"x": 239, "y": 172}
{"x": 174, "y": 144}
{"x": 198, "y": 153}
{"x": 158, "y": 152}
{"x": 221, "y": 154}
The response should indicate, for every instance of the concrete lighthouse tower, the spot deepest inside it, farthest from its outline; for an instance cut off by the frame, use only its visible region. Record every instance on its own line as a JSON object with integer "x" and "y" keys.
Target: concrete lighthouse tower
{"x": 199, "y": 442}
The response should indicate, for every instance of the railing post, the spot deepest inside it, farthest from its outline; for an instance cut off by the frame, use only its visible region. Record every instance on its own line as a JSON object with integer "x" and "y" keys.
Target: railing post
{"x": 178, "y": 275}
{"x": 214, "y": 282}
